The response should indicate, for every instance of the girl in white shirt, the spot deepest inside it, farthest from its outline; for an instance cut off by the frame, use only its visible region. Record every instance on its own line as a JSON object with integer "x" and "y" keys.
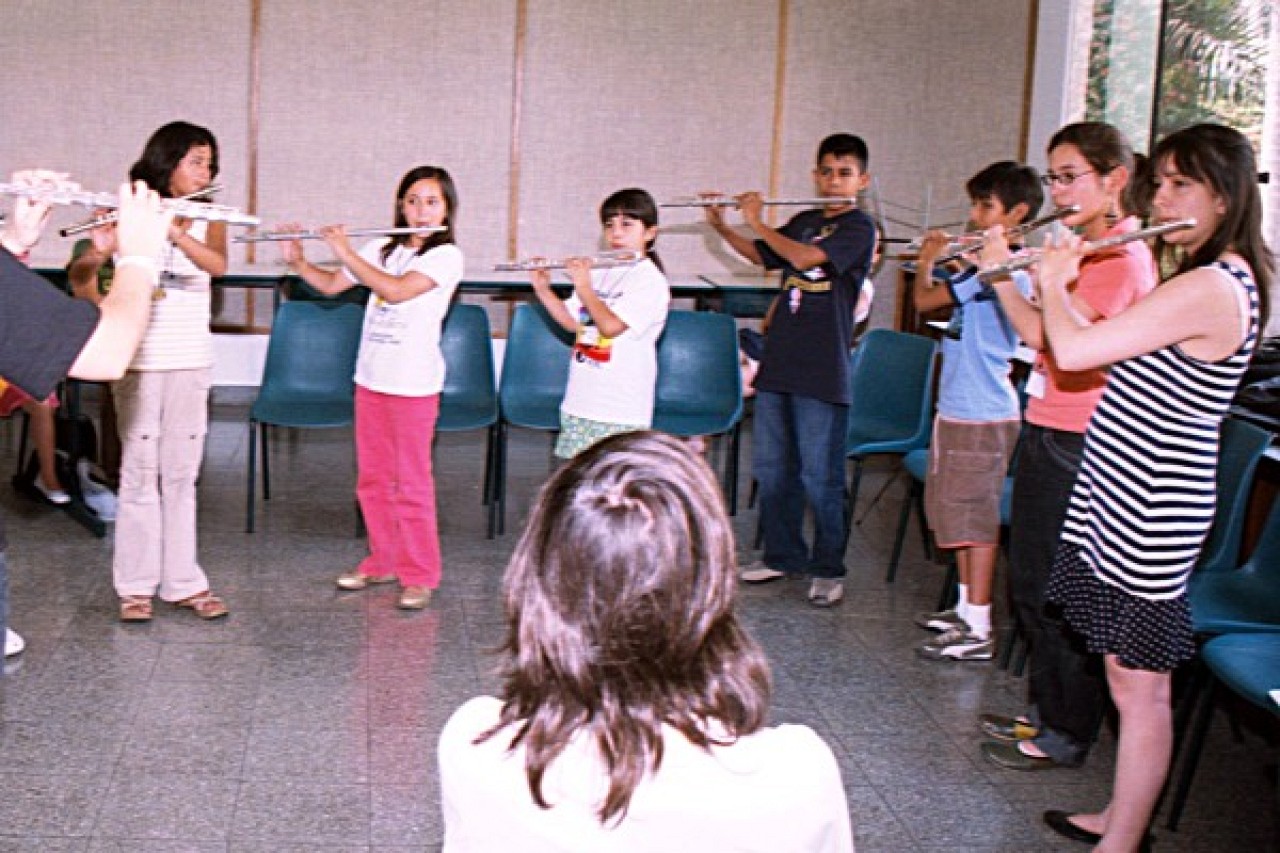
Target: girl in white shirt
{"x": 616, "y": 315}
{"x": 399, "y": 377}
{"x": 632, "y": 711}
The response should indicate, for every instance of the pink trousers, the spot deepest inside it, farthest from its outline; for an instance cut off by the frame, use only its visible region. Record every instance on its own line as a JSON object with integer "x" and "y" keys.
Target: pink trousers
{"x": 395, "y": 485}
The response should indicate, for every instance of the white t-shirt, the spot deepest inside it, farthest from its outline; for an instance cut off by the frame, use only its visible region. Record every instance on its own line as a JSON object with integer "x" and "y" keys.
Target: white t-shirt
{"x": 776, "y": 790}
{"x": 612, "y": 380}
{"x": 400, "y": 344}
{"x": 178, "y": 335}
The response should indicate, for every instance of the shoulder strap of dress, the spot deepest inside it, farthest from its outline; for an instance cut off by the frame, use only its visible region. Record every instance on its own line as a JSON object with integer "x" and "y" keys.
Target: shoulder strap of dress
{"x": 1246, "y": 297}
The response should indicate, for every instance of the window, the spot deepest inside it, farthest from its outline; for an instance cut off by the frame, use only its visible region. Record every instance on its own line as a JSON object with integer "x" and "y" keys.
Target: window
{"x": 1158, "y": 65}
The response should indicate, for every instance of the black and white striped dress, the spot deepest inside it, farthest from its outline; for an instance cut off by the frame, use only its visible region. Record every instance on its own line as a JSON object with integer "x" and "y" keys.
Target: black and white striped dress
{"x": 1144, "y": 500}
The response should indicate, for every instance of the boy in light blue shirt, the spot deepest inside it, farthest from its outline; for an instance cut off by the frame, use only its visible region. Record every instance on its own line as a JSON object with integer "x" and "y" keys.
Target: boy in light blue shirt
{"x": 979, "y": 416}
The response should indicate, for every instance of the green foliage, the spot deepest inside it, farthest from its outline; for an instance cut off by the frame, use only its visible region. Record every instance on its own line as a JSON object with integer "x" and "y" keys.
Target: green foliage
{"x": 1213, "y": 63}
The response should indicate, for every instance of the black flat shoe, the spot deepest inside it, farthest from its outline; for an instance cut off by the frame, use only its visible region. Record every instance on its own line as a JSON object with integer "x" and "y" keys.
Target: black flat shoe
{"x": 1060, "y": 822}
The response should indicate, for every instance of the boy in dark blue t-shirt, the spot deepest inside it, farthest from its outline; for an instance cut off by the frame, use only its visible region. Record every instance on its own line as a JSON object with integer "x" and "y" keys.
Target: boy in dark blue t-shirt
{"x": 802, "y": 388}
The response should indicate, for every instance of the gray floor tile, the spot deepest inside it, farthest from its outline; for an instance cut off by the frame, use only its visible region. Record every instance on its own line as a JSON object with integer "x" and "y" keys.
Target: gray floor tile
{"x": 307, "y": 720}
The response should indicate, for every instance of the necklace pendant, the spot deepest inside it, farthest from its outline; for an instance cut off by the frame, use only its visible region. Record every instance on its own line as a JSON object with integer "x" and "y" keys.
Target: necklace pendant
{"x": 158, "y": 294}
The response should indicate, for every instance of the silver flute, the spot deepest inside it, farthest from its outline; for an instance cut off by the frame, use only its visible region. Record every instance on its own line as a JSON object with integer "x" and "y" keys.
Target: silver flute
{"x": 727, "y": 201}
{"x": 972, "y": 241}
{"x": 185, "y": 206}
{"x": 268, "y": 236}
{"x": 619, "y": 258}
{"x": 1089, "y": 248}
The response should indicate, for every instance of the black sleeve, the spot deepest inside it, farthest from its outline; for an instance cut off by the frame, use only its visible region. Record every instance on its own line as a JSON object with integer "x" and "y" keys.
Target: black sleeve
{"x": 851, "y": 244}
{"x": 42, "y": 329}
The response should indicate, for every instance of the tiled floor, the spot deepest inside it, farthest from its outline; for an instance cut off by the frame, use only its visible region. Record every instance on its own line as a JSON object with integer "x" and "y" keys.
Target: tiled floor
{"x": 308, "y": 719}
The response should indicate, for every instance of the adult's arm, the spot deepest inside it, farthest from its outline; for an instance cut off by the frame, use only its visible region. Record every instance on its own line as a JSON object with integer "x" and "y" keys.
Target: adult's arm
{"x": 126, "y": 310}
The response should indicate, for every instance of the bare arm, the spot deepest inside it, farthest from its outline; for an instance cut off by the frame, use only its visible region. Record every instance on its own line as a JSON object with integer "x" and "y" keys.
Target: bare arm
{"x": 387, "y": 286}
{"x": 741, "y": 243}
{"x": 609, "y": 323}
{"x": 210, "y": 254}
{"x": 541, "y": 280}
{"x": 927, "y": 294}
{"x": 127, "y": 308}
{"x": 1023, "y": 314}
{"x": 802, "y": 256}
{"x": 1196, "y": 310}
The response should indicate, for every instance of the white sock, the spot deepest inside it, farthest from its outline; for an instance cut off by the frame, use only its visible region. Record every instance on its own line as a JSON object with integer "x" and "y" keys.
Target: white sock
{"x": 979, "y": 618}
{"x": 962, "y": 601}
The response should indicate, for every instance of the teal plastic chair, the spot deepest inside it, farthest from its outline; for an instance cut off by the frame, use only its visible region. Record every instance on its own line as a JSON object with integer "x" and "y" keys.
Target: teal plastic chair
{"x": 469, "y": 399}
{"x": 699, "y": 389}
{"x": 1249, "y": 666}
{"x": 307, "y": 380}
{"x": 535, "y": 371}
{"x": 1241, "y": 448}
{"x": 891, "y": 409}
{"x": 1244, "y": 601}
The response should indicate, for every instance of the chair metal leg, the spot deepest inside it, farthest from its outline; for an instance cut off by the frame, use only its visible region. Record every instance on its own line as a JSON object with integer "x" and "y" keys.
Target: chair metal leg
{"x": 892, "y": 478}
{"x": 500, "y": 479}
{"x": 1203, "y": 714}
{"x": 253, "y": 448}
{"x": 735, "y": 450}
{"x": 266, "y": 461}
{"x": 903, "y": 518}
{"x": 486, "y": 488}
{"x": 926, "y": 541}
{"x": 490, "y": 495}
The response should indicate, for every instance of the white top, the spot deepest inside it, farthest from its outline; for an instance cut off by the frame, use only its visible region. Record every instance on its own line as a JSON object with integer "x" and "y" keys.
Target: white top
{"x": 400, "y": 344}
{"x": 776, "y": 790}
{"x": 612, "y": 380}
{"x": 178, "y": 336}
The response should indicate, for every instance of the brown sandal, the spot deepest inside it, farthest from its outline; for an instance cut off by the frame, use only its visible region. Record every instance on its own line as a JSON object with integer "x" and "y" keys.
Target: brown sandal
{"x": 135, "y": 608}
{"x": 205, "y": 604}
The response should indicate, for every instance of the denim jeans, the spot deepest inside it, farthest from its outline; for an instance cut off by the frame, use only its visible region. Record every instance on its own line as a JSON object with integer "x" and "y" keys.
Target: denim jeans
{"x": 799, "y": 458}
{"x": 1066, "y": 684}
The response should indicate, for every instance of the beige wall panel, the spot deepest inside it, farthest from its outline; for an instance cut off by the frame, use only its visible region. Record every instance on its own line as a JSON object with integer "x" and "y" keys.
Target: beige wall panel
{"x": 672, "y": 96}
{"x": 934, "y": 86}
{"x": 356, "y": 94}
{"x": 85, "y": 84}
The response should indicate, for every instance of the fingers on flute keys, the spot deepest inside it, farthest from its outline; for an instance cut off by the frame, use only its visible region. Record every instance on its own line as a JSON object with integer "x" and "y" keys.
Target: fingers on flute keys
{"x": 143, "y": 221}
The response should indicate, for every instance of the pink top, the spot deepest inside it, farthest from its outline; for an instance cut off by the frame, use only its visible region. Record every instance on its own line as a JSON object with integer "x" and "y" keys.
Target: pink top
{"x": 1109, "y": 282}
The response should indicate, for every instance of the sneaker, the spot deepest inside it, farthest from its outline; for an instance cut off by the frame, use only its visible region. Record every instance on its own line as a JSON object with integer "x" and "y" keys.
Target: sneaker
{"x": 1003, "y": 727}
{"x": 826, "y": 592}
{"x": 57, "y": 497}
{"x": 942, "y": 620}
{"x": 13, "y": 643}
{"x": 958, "y": 644}
{"x": 758, "y": 572}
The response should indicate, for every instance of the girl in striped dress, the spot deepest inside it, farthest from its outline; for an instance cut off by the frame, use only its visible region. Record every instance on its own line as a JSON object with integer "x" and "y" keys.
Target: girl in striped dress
{"x": 1144, "y": 498}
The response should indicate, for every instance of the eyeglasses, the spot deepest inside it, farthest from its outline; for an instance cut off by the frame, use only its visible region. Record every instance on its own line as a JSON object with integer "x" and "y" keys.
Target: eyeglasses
{"x": 1066, "y": 179}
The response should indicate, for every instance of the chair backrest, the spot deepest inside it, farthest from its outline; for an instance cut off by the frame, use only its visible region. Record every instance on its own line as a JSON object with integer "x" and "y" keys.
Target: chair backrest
{"x": 1241, "y": 448}
{"x": 891, "y": 385}
{"x": 1265, "y": 558}
{"x": 470, "y": 396}
{"x": 535, "y": 369}
{"x": 699, "y": 380}
{"x": 312, "y": 352}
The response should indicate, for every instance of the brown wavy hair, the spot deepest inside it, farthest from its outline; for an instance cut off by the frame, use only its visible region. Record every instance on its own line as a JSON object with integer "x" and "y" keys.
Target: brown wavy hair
{"x": 620, "y": 617}
{"x": 1222, "y": 158}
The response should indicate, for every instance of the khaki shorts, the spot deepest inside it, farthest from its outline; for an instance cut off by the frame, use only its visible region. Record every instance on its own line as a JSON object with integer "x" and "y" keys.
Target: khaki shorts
{"x": 968, "y": 463}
